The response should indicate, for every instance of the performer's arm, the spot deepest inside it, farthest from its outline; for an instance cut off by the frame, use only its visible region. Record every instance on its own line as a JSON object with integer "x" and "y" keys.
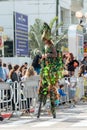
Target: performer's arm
{"x": 54, "y": 52}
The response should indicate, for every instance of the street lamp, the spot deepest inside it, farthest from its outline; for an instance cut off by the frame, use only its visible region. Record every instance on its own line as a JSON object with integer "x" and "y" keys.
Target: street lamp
{"x": 82, "y": 20}
{"x": 79, "y": 15}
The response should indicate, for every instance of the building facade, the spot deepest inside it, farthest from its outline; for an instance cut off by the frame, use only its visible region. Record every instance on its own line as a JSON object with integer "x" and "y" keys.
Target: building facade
{"x": 45, "y": 10}
{"x": 67, "y": 11}
{"x": 42, "y": 9}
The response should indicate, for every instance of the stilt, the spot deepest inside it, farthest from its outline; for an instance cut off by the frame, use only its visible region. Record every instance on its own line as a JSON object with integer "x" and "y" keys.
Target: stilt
{"x": 39, "y": 110}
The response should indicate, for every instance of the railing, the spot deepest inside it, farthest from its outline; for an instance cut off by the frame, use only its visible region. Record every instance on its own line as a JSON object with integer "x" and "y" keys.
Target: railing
{"x": 6, "y": 95}
{"x": 20, "y": 97}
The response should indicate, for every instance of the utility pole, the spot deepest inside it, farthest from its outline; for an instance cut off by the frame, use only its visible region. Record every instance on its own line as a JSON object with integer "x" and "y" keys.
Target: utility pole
{"x": 57, "y": 4}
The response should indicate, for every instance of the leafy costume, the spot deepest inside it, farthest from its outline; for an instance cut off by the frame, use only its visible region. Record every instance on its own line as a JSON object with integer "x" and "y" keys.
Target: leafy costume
{"x": 50, "y": 72}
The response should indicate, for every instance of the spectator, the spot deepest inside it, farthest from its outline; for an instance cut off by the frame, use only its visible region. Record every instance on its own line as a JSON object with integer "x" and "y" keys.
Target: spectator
{"x": 26, "y": 65}
{"x": 71, "y": 64}
{"x": 14, "y": 74}
{"x": 22, "y": 70}
{"x": 2, "y": 72}
{"x": 61, "y": 91}
{"x": 81, "y": 70}
{"x": 85, "y": 73}
{"x": 29, "y": 73}
{"x": 36, "y": 62}
{"x": 64, "y": 58}
{"x": 9, "y": 67}
{"x": 6, "y": 71}
{"x": 84, "y": 61}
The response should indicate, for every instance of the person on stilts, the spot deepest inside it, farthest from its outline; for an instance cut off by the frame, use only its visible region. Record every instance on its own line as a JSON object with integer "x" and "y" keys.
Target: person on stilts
{"x": 49, "y": 73}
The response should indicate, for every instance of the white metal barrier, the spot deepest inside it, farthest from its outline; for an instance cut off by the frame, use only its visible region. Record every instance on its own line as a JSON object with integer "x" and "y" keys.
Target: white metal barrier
{"x": 19, "y": 96}
{"x": 73, "y": 87}
{"x": 23, "y": 96}
{"x": 6, "y": 95}
{"x": 29, "y": 92}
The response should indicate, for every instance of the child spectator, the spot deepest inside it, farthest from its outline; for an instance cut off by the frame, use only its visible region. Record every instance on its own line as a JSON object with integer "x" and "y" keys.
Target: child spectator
{"x": 61, "y": 94}
{"x": 61, "y": 91}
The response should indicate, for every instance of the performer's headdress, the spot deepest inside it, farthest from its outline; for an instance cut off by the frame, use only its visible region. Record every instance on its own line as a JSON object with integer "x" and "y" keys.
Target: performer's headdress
{"x": 46, "y": 32}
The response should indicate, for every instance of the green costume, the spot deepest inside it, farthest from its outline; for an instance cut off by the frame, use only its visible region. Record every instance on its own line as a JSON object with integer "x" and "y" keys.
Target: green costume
{"x": 50, "y": 72}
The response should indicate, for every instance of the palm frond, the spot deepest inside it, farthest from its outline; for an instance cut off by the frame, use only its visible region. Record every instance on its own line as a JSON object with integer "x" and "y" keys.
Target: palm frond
{"x": 61, "y": 37}
{"x": 36, "y": 38}
{"x": 53, "y": 21}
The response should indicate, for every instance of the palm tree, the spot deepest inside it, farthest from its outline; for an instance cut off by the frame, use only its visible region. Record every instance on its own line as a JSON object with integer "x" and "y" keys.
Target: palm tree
{"x": 59, "y": 40}
{"x": 35, "y": 42}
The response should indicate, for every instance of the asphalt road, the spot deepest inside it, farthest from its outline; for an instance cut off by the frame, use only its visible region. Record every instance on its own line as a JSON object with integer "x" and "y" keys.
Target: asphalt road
{"x": 67, "y": 118}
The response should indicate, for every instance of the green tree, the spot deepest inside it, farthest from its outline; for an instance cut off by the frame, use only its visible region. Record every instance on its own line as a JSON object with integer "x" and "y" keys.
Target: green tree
{"x": 35, "y": 42}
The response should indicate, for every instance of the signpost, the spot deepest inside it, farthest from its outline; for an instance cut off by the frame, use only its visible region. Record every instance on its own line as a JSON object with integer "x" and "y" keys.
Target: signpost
{"x": 20, "y": 34}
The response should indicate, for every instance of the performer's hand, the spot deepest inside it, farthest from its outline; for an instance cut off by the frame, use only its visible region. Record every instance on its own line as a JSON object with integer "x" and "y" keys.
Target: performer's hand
{"x": 44, "y": 56}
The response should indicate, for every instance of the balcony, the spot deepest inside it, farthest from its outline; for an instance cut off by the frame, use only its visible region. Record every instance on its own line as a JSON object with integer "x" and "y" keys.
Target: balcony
{"x": 76, "y": 5}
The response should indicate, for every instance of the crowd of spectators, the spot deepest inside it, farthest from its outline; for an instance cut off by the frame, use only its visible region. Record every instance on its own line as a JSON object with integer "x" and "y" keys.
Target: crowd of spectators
{"x": 17, "y": 73}
{"x": 10, "y": 73}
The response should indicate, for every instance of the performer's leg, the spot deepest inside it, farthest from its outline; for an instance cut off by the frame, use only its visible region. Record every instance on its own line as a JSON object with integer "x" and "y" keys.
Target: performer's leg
{"x": 40, "y": 103}
{"x": 52, "y": 100}
{"x": 39, "y": 110}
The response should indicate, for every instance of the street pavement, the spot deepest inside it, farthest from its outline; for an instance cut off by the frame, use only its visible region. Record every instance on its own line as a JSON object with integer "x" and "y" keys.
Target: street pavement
{"x": 72, "y": 118}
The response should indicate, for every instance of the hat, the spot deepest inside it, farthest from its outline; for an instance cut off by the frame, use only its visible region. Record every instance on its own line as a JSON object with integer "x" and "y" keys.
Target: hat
{"x": 46, "y": 32}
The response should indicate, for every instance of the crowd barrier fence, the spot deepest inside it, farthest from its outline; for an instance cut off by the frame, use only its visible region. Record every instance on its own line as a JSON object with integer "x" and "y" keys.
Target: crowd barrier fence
{"x": 23, "y": 96}
{"x": 6, "y": 95}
